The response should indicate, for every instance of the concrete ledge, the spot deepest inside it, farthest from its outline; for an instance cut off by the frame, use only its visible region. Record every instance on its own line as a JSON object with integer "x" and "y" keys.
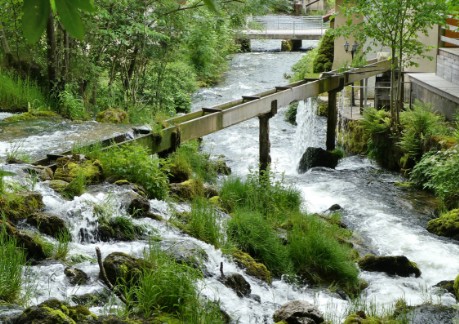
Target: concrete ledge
{"x": 442, "y": 94}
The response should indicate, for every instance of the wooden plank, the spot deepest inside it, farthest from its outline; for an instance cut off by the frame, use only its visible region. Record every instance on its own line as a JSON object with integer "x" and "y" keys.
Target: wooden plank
{"x": 450, "y": 40}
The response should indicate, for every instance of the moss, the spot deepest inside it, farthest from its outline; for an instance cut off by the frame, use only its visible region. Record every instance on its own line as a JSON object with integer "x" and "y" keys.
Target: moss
{"x": 71, "y": 167}
{"x": 325, "y": 55}
{"x": 322, "y": 107}
{"x": 456, "y": 287}
{"x": 187, "y": 190}
{"x": 353, "y": 137}
{"x": 290, "y": 114}
{"x": 446, "y": 225}
{"x": 16, "y": 206}
{"x": 32, "y": 115}
{"x": 253, "y": 268}
{"x": 215, "y": 200}
{"x": 112, "y": 115}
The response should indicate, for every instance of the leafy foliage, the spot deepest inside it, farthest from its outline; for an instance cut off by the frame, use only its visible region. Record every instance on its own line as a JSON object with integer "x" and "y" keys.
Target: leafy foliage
{"x": 304, "y": 67}
{"x": 323, "y": 62}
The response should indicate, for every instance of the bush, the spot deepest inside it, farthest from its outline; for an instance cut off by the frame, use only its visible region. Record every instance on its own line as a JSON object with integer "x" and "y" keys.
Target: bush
{"x": 250, "y": 232}
{"x": 71, "y": 106}
{"x": 135, "y": 164}
{"x": 12, "y": 259}
{"x": 304, "y": 67}
{"x": 317, "y": 255}
{"x": 323, "y": 62}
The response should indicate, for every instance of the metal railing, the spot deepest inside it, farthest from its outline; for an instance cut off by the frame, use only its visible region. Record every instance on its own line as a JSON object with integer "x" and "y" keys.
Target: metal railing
{"x": 292, "y": 25}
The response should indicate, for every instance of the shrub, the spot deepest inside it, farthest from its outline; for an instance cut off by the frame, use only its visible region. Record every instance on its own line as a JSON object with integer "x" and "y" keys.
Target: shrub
{"x": 420, "y": 125}
{"x": 317, "y": 255}
{"x": 323, "y": 62}
{"x": 250, "y": 232}
{"x": 70, "y": 106}
{"x": 135, "y": 164}
{"x": 12, "y": 259}
{"x": 204, "y": 224}
{"x": 304, "y": 67}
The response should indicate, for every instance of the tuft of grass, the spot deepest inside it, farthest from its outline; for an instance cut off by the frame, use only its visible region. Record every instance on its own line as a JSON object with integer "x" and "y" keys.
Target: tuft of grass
{"x": 61, "y": 248}
{"x": 250, "y": 232}
{"x": 318, "y": 256}
{"x": 203, "y": 223}
{"x": 12, "y": 260}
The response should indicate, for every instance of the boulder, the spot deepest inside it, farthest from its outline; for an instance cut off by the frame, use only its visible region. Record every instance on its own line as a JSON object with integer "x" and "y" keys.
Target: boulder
{"x": 16, "y": 206}
{"x": 76, "y": 276}
{"x": 446, "y": 225}
{"x": 120, "y": 266}
{"x": 430, "y": 313}
{"x": 138, "y": 207}
{"x": 447, "y": 285}
{"x": 210, "y": 191}
{"x": 100, "y": 298}
{"x": 42, "y": 172}
{"x": 186, "y": 252}
{"x": 298, "y": 312}
{"x": 119, "y": 229}
{"x": 187, "y": 190}
{"x": 58, "y": 185}
{"x": 392, "y": 265}
{"x": 456, "y": 287}
{"x": 49, "y": 224}
{"x": 71, "y": 166}
{"x": 252, "y": 267}
{"x": 54, "y": 311}
{"x": 238, "y": 283}
{"x": 317, "y": 157}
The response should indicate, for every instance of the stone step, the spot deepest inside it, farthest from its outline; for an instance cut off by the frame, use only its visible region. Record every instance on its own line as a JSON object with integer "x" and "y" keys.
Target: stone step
{"x": 448, "y": 64}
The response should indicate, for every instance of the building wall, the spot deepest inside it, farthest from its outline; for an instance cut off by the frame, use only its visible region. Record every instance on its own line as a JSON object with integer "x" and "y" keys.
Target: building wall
{"x": 320, "y": 5}
{"x": 448, "y": 106}
{"x": 448, "y": 67}
{"x": 424, "y": 65}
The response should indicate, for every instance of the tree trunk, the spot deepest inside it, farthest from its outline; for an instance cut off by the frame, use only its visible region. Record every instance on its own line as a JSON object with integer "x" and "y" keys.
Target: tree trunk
{"x": 51, "y": 55}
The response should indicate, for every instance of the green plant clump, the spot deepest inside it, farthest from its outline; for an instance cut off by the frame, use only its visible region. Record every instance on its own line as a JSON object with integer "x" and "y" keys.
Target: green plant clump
{"x": 12, "y": 259}
{"x": 323, "y": 62}
{"x": 304, "y": 67}
{"x": 204, "y": 223}
{"x": 135, "y": 164}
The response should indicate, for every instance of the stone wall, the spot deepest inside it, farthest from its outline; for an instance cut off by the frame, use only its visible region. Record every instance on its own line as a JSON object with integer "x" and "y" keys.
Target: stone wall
{"x": 448, "y": 66}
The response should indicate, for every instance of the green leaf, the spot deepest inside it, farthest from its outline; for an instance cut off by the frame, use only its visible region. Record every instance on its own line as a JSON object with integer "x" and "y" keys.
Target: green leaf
{"x": 36, "y": 14}
{"x": 70, "y": 17}
{"x": 211, "y": 5}
{"x": 86, "y": 5}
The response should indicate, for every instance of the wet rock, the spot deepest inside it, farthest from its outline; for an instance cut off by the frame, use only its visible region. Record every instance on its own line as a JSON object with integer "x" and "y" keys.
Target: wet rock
{"x": 71, "y": 166}
{"x": 42, "y": 172}
{"x": 392, "y": 265}
{"x": 179, "y": 173}
{"x": 446, "y": 225}
{"x": 54, "y": 311}
{"x": 138, "y": 207}
{"x": 298, "y": 312}
{"x": 58, "y": 185}
{"x": 120, "y": 266}
{"x": 236, "y": 282}
{"x": 252, "y": 268}
{"x": 210, "y": 191}
{"x": 119, "y": 229}
{"x": 456, "y": 287}
{"x": 317, "y": 157}
{"x": 335, "y": 207}
{"x": 92, "y": 299}
{"x": 187, "y": 190}
{"x": 76, "y": 276}
{"x": 220, "y": 166}
{"x": 430, "y": 313}
{"x": 33, "y": 250}
{"x": 186, "y": 252}
{"x": 134, "y": 187}
{"x": 112, "y": 115}
{"x": 447, "y": 285}
{"x": 49, "y": 224}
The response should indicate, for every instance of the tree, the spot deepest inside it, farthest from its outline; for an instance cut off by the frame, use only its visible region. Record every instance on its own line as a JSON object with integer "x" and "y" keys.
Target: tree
{"x": 395, "y": 24}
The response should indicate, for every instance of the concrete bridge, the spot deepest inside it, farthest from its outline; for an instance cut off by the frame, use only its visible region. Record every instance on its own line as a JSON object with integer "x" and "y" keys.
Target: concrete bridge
{"x": 262, "y": 105}
{"x": 294, "y": 29}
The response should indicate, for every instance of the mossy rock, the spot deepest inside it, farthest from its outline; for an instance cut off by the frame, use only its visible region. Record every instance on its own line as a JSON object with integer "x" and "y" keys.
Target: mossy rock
{"x": 34, "y": 251}
{"x": 123, "y": 268}
{"x": 446, "y": 225}
{"x": 76, "y": 276}
{"x": 252, "y": 267}
{"x": 114, "y": 116}
{"x": 44, "y": 173}
{"x": 72, "y": 166}
{"x": 58, "y": 185}
{"x": 119, "y": 229}
{"x": 215, "y": 200}
{"x": 392, "y": 265}
{"x": 290, "y": 114}
{"x": 362, "y": 318}
{"x": 456, "y": 287}
{"x": 220, "y": 166}
{"x": 92, "y": 299}
{"x": 16, "y": 206}
{"x": 187, "y": 190}
{"x": 54, "y": 311}
{"x": 49, "y": 224}
{"x": 32, "y": 115}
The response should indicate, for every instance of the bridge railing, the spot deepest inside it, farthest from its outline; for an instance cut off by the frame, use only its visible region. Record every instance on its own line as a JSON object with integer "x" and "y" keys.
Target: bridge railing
{"x": 292, "y": 24}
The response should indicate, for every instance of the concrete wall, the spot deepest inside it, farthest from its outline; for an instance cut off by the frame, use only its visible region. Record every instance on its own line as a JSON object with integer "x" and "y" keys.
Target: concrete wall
{"x": 448, "y": 66}
{"x": 445, "y": 105}
{"x": 320, "y": 5}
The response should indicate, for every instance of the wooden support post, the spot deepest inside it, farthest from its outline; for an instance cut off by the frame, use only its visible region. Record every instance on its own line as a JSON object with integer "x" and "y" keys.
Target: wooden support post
{"x": 265, "y": 145}
{"x": 331, "y": 120}
{"x": 361, "y": 96}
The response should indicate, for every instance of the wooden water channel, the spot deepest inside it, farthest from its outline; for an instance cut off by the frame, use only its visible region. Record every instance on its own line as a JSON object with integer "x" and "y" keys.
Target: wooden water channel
{"x": 263, "y": 105}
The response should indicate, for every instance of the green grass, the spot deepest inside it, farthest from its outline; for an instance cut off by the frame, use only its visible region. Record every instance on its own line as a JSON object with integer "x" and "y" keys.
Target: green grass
{"x": 17, "y": 94}
{"x": 61, "y": 249}
{"x": 12, "y": 259}
{"x": 250, "y": 232}
{"x": 318, "y": 256}
{"x": 203, "y": 223}
{"x": 167, "y": 287}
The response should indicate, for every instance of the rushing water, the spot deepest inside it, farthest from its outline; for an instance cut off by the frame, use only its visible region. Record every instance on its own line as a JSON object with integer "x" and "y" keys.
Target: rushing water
{"x": 387, "y": 219}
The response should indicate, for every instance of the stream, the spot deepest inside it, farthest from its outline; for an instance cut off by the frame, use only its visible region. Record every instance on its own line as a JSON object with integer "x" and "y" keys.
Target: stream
{"x": 387, "y": 219}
